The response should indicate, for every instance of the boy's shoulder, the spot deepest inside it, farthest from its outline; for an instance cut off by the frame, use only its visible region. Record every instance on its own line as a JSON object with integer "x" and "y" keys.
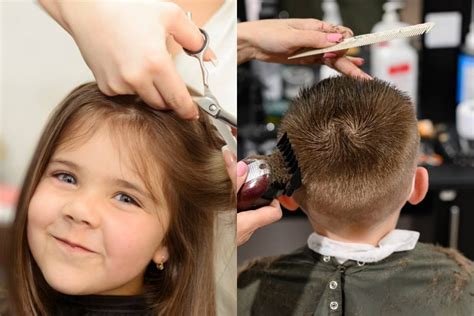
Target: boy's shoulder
{"x": 273, "y": 285}
{"x": 271, "y": 264}
{"x": 426, "y": 279}
{"x": 446, "y": 267}
{"x": 442, "y": 257}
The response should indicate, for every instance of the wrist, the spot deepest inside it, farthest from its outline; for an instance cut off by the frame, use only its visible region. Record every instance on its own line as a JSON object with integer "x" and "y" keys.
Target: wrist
{"x": 55, "y": 10}
{"x": 245, "y": 49}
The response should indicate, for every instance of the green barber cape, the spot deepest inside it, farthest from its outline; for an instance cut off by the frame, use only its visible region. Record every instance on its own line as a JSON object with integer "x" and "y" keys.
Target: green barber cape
{"x": 427, "y": 280}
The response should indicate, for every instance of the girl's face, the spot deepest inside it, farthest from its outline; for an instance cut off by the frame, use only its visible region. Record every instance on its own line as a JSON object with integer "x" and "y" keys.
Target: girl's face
{"x": 92, "y": 225}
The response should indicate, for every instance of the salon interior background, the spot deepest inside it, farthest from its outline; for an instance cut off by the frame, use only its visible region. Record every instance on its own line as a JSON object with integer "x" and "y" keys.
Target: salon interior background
{"x": 446, "y": 215}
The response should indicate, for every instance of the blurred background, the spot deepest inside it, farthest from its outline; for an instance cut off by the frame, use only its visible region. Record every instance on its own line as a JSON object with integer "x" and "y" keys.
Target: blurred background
{"x": 436, "y": 70}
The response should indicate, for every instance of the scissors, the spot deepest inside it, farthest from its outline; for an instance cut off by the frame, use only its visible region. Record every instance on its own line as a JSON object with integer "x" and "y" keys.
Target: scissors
{"x": 208, "y": 101}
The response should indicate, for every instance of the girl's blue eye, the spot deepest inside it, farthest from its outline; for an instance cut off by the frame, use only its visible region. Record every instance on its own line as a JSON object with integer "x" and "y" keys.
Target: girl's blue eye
{"x": 126, "y": 199}
{"x": 64, "y": 177}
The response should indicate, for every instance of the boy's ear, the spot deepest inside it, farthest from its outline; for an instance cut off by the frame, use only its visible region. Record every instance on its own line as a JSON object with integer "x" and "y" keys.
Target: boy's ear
{"x": 288, "y": 203}
{"x": 161, "y": 255}
{"x": 420, "y": 186}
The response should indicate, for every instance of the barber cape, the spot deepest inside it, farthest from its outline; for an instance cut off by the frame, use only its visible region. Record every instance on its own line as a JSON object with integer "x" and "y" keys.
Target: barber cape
{"x": 326, "y": 277}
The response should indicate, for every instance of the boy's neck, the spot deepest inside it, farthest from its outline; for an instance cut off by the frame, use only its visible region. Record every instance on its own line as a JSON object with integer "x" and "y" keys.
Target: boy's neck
{"x": 356, "y": 234}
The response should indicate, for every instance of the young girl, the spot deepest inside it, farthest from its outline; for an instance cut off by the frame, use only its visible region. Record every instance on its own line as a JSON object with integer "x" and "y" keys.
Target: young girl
{"x": 117, "y": 212}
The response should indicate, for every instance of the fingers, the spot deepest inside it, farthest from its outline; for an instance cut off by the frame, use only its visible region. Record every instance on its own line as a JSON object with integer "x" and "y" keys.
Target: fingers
{"x": 183, "y": 29}
{"x": 231, "y": 165}
{"x": 172, "y": 88}
{"x": 347, "y": 66}
{"x": 345, "y": 31}
{"x": 237, "y": 171}
{"x": 149, "y": 94}
{"x": 186, "y": 33}
{"x": 209, "y": 55}
{"x": 249, "y": 221}
{"x": 359, "y": 61}
{"x": 317, "y": 25}
{"x": 242, "y": 170}
{"x": 315, "y": 39}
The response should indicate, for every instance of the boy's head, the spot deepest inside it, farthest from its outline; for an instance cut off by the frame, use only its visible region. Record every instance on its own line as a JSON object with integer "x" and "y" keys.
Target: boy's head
{"x": 356, "y": 142}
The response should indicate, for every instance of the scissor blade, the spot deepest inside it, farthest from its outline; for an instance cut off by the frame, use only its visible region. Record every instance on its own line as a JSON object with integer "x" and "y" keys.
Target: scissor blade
{"x": 226, "y": 133}
{"x": 227, "y": 118}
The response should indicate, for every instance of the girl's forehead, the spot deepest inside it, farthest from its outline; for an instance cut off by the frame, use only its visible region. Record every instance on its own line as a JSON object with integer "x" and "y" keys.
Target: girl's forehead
{"x": 96, "y": 150}
{"x": 115, "y": 148}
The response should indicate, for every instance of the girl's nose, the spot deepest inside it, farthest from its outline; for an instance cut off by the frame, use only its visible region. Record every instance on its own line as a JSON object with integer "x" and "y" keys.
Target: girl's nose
{"x": 82, "y": 209}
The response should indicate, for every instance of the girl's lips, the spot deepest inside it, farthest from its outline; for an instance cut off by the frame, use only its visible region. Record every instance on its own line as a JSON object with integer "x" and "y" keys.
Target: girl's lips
{"x": 72, "y": 245}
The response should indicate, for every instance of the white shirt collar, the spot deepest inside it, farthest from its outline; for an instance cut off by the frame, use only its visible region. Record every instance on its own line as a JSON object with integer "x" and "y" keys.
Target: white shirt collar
{"x": 396, "y": 240}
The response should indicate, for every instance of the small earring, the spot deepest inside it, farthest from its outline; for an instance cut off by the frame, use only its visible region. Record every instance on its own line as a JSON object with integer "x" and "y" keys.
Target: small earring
{"x": 160, "y": 266}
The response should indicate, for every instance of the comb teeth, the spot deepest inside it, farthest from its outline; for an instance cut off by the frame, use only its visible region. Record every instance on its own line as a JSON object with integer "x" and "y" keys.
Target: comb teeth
{"x": 284, "y": 146}
{"x": 372, "y": 38}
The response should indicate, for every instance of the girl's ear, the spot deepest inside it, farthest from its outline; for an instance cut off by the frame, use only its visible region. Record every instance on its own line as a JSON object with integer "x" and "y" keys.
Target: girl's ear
{"x": 288, "y": 202}
{"x": 161, "y": 255}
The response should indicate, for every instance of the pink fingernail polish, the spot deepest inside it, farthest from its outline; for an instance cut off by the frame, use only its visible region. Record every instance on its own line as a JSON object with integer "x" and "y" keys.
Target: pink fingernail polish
{"x": 229, "y": 156}
{"x": 214, "y": 61}
{"x": 241, "y": 168}
{"x": 365, "y": 76}
{"x": 329, "y": 55}
{"x": 334, "y": 37}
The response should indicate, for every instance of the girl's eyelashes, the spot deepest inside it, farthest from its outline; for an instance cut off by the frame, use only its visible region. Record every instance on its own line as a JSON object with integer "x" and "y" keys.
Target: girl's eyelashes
{"x": 68, "y": 178}
{"x": 125, "y": 198}
{"x": 65, "y": 177}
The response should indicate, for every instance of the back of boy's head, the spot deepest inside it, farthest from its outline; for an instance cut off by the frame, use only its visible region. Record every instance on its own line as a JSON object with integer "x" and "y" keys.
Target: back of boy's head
{"x": 356, "y": 142}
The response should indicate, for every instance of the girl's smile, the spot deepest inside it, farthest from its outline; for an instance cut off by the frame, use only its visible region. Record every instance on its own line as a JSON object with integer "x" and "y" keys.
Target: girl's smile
{"x": 72, "y": 246}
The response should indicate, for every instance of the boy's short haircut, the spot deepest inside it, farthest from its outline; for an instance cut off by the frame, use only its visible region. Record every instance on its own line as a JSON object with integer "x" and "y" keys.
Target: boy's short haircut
{"x": 356, "y": 142}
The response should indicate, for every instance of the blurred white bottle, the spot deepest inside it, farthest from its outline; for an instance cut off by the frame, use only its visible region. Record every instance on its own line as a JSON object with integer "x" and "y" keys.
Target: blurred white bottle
{"x": 395, "y": 61}
{"x": 465, "y": 89}
{"x": 331, "y": 15}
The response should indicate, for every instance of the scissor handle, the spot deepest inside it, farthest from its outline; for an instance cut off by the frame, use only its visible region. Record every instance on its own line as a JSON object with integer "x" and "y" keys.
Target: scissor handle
{"x": 199, "y": 55}
{"x": 203, "y": 48}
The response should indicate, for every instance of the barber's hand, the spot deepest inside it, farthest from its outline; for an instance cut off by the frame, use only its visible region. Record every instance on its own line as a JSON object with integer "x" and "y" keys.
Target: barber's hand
{"x": 124, "y": 44}
{"x": 276, "y": 40}
{"x": 249, "y": 221}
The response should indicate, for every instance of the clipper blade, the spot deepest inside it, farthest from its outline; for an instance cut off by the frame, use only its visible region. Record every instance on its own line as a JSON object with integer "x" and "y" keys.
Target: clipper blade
{"x": 284, "y": 146}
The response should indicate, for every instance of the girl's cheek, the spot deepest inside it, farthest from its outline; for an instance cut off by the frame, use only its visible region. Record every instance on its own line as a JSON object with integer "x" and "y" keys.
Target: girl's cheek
{"x": 132, "y": 237}
{"x": 44, "y": 205}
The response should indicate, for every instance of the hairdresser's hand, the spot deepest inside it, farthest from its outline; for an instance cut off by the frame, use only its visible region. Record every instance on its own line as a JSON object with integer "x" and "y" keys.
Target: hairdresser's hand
{"x": 249, "y": 221}
{"x": 124, "y": 44}
{"x": 276, "y": 40}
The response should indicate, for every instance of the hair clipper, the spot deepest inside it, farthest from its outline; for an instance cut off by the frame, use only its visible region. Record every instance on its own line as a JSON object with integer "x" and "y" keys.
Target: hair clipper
{"x": 264, "y": 182}
{"x": 259, "y": 188}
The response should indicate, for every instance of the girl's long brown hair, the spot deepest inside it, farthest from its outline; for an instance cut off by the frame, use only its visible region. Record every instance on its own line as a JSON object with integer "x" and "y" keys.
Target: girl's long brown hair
{"x": 192, "y": 178}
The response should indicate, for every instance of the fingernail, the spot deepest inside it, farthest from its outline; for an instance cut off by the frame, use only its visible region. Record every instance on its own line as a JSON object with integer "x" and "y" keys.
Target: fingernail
{"x": 196, "y": 117}
{"x": 241, "y": 168}
{"x": 329, "y": 55}
{"x": 214, "y": 61}
{"x": 229, "y": 156}
{"x": 334, "y": 37}
{"x": 365, "y": 76}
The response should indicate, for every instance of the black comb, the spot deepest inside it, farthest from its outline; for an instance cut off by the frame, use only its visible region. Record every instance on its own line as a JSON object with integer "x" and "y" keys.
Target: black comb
{"x": 284, "y": 146}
